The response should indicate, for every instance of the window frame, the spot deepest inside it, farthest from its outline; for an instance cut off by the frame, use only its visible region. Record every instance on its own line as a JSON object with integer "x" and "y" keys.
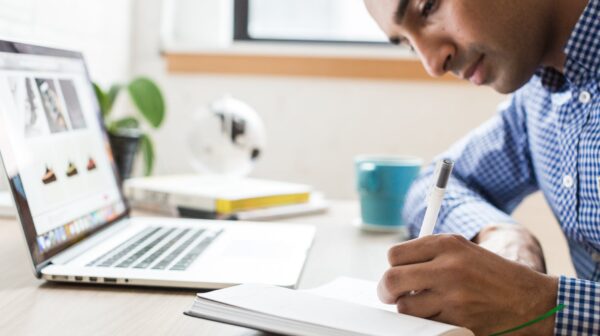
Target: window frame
{"x": 241, "y": 13}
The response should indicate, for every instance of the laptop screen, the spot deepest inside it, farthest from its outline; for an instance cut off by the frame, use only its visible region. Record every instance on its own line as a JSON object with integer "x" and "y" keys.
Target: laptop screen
{"x": 55, "y": 150}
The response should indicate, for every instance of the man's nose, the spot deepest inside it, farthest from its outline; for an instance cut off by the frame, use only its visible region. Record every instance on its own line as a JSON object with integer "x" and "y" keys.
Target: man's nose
{"x": 436, "y": 58}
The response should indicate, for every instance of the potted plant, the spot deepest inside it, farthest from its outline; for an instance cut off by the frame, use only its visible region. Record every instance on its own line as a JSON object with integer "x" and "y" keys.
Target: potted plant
{"x": 127, "y": 135}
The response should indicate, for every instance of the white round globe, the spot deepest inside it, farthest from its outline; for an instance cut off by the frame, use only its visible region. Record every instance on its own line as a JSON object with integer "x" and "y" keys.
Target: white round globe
{"x": 227, "y": 138}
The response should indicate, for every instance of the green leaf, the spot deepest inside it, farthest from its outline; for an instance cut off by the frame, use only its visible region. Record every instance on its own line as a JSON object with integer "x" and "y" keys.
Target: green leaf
{"x": 102, "y": 100}
{"x": 148, "y": 99}
{"x": 127, "y": 122}
{"x": 111, "y": 97}
{"x": 147, "y": 149}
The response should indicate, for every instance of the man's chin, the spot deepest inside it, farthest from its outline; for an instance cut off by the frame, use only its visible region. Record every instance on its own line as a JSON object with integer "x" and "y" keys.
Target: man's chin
{"x": 503, "y": 89}
{"x": 508, "y": 85}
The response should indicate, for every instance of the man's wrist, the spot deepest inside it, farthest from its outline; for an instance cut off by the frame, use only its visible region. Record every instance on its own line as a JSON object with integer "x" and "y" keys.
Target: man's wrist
{"x": 547, "y": 325}
{"x": 547, "y": 294}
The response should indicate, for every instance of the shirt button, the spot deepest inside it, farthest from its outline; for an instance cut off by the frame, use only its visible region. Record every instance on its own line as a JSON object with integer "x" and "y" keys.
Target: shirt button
{"x": 585, "y": 97}
{"x": 596, "y": 257}
{"x": 568, "y": 181}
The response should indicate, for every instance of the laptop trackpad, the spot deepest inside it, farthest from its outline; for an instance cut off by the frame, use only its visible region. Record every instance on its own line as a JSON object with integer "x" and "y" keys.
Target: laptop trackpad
{"x": 255, "y": 249}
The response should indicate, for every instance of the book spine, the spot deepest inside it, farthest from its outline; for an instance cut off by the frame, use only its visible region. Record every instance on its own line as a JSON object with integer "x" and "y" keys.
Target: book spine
{"x": 161, "y": 198}
{"x": 192, "y": 201}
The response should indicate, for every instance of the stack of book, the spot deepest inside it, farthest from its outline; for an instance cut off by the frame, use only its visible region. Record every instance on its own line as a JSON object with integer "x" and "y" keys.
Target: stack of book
{"x": 222, "y": 197}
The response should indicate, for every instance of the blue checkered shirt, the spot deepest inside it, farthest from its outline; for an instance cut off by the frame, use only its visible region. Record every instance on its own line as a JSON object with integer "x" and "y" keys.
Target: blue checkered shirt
{"x": 546, "y": 137}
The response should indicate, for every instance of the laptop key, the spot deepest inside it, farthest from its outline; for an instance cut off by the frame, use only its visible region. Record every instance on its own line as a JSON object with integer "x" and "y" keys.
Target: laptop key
{"x": 194, "y": 253}
{"x": 166, "y": 261}
{"x": 156, "y": 254}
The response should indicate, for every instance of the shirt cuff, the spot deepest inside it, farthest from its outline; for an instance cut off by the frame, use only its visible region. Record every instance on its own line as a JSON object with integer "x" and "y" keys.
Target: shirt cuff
{"x": 468, "y": 218}
{"x": 581, "y": 314}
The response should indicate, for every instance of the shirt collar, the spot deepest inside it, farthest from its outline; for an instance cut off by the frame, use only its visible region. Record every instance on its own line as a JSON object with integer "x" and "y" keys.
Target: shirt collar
{"x": 582, "y": 51}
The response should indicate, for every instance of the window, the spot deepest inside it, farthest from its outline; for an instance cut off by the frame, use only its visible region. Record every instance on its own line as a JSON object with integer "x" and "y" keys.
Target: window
{"x": 345, "y": 21}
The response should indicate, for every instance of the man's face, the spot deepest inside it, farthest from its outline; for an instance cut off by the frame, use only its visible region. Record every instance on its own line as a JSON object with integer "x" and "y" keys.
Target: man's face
{"x": 489, "y": 42}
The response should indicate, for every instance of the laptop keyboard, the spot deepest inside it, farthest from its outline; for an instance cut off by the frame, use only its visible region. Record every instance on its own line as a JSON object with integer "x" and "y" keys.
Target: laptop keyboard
{"x": 159, "y": 249}
{"x": 139, "y": 253}
{"x": 151, "y": 258}
{"x": 189, "y": 258}
{"x": 124, "y": 248}
{"x": 166, "y": 261}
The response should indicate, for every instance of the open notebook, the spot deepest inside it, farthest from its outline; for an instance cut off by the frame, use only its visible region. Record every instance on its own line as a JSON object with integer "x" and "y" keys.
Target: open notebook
{"x": 343, "y": 307}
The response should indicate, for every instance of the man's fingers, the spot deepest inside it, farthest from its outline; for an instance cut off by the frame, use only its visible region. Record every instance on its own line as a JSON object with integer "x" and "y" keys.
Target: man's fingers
{"x": 398, "y": 281}
{"x": 424, "y": 249}
{"x": 425, "y": 304}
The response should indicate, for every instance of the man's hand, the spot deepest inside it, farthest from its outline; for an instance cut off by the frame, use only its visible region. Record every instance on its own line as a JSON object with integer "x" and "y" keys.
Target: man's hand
{"x": 458, "y": 282}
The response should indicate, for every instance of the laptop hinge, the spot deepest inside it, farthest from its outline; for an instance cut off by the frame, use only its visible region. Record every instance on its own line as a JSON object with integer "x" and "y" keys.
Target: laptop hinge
{"x": 40, "y": 267}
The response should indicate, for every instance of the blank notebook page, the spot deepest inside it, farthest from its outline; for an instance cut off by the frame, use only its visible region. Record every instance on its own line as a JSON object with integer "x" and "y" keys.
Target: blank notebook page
{"x": 315, "y": 309}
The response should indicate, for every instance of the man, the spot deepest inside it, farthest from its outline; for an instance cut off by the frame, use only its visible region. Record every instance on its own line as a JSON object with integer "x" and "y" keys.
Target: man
{"x": 547, "y": 137}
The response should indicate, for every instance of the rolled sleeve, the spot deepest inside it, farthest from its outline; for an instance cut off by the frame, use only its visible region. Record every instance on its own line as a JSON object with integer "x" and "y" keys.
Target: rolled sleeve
{"x": 470, "y": 218}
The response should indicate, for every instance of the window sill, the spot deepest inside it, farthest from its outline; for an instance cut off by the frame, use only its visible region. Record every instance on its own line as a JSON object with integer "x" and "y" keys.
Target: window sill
{"x": 301, "y": 60}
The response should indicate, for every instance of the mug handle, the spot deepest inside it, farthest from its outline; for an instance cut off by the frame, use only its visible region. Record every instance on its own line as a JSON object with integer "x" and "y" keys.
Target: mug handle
{"x": 367, "y": 177}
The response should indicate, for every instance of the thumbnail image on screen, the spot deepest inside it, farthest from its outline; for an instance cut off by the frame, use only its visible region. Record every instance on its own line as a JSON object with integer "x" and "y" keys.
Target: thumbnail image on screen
{"x": 73, "y": 104}
{"x": 53, "y": 107}
{"x": 28, "y": 103}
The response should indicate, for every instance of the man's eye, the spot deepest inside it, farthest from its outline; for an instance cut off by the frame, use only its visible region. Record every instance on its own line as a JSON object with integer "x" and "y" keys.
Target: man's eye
{"x": 428, "y": 6}
{"x": 401, "y": 41}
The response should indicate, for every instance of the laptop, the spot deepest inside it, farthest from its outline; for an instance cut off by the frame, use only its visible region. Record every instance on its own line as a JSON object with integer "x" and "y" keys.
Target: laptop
{"x": 75, "y": 220}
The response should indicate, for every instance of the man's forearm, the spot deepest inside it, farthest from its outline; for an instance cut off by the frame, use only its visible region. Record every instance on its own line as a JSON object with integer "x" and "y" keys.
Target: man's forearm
{"x": 513, "y": 242}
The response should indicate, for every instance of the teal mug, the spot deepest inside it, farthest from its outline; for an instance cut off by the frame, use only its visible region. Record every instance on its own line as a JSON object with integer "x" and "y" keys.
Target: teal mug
{"x": 382, "y": 183}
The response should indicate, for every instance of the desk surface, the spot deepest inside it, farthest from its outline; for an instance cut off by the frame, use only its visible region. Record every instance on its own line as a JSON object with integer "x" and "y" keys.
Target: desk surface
{"x": 29, "y": 306}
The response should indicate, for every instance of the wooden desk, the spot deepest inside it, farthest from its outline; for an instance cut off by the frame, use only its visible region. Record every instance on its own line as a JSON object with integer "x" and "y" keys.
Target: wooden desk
{"x": 29, "y": 306}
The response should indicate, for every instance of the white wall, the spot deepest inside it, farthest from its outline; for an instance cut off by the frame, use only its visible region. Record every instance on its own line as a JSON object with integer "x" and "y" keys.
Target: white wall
{"x": 316, "y": 126}
{"x": 98, "y": 28}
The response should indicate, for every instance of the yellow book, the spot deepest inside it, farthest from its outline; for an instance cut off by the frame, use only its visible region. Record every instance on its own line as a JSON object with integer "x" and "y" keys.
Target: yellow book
{"x": 225, "y": 206}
